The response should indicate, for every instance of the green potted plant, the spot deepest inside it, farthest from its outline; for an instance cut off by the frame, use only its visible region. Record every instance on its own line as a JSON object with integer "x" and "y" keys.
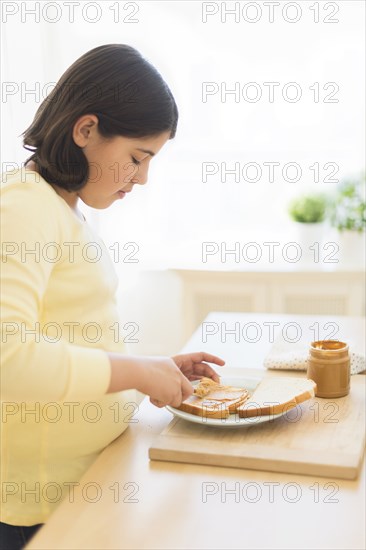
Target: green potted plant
{"x": 308, "y": 208}
{"x": 309, "y": 213}
{"x": 348, "y": 208}
{"x": 348, "y": 216}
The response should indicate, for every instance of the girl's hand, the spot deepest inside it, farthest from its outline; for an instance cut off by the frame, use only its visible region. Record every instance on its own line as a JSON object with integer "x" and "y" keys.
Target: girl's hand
{"x": 158, "y": 377}
{"x": 192, "y": 365}
{"x": 164, "y": 382}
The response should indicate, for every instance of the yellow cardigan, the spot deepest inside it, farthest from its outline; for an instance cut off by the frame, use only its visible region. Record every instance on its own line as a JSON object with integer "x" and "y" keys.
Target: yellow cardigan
{"x": 58, "y": 319}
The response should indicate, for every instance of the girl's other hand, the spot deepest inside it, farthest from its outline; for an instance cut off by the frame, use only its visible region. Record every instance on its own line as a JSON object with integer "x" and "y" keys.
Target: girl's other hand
{"x": 193, "y": 365}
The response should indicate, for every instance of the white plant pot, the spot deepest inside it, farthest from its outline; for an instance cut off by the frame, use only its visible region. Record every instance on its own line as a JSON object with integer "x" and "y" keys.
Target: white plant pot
{"x": 352, "y": 246}
{"x": 310, "y": 239}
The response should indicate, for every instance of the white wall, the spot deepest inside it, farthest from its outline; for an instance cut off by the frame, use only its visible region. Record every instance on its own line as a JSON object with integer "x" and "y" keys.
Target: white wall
{"x": 177, "y": 211}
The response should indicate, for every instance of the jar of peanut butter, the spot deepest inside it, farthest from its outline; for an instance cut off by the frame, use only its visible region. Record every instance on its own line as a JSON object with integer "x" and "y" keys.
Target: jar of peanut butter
{"x": 329, "y": 367}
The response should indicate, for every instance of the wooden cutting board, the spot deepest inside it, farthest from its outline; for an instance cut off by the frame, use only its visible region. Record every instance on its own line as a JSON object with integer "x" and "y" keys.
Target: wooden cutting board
{"x": 321, "y": 437}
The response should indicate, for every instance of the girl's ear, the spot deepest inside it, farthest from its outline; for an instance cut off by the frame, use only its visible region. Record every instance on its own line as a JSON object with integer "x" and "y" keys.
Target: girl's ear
{"x": 85, "y": 128}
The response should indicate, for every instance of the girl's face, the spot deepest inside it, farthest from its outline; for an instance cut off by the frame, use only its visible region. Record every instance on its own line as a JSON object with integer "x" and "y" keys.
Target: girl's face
{"x": 115, "y": 164}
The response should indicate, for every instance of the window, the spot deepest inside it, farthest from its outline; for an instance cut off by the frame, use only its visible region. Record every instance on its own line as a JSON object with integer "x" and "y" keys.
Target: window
{"x": 250, "y": 93}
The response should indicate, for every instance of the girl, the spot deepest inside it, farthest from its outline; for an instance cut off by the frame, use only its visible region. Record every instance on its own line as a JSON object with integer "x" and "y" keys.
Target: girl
{"x": 92, "y": 139}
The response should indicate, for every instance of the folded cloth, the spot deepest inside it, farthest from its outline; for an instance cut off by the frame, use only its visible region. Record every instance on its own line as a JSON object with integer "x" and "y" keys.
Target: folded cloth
{"x": 289, "y": 356}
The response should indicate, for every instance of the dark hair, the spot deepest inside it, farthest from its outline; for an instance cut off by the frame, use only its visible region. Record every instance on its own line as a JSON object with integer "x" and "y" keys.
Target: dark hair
{"x": 113, "y": 82}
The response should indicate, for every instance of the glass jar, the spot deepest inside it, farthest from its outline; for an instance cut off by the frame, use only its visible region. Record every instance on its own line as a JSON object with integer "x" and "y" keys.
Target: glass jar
{"x": 329, "y": 367}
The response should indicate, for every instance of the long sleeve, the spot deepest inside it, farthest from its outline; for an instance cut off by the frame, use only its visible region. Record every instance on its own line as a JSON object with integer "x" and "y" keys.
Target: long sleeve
{"x": 35, "y": 366}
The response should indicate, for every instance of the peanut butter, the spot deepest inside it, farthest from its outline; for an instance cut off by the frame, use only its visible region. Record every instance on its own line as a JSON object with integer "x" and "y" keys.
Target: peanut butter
{"x": 329, "y": 367}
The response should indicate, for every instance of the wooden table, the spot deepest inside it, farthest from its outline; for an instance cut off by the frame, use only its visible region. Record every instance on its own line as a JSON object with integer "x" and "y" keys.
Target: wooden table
{"x": 161, "y": 505}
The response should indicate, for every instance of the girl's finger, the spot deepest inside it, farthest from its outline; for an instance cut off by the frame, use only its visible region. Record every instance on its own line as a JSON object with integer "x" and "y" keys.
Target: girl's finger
{"x": 157, "y": 403}
{"x": 202, "y": 369}
{"x": 203, "y": 356}
{"x": 187, "y": 388}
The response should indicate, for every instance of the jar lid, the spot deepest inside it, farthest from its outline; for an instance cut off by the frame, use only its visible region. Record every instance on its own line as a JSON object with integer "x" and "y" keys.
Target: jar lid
{"x": 329, "y": 345}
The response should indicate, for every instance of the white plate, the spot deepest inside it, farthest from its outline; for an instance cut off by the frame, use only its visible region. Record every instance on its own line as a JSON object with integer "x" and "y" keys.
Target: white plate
{"x": 234, "y": 421}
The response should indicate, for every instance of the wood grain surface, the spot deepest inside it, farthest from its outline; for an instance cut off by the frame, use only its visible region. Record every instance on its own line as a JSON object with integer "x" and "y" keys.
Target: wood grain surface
{"x": 324, "y": 437}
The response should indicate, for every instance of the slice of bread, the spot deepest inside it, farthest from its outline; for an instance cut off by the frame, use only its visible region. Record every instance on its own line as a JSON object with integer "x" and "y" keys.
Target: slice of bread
{"x": 276, "y": 396}
{"x": 213, "y": 400}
